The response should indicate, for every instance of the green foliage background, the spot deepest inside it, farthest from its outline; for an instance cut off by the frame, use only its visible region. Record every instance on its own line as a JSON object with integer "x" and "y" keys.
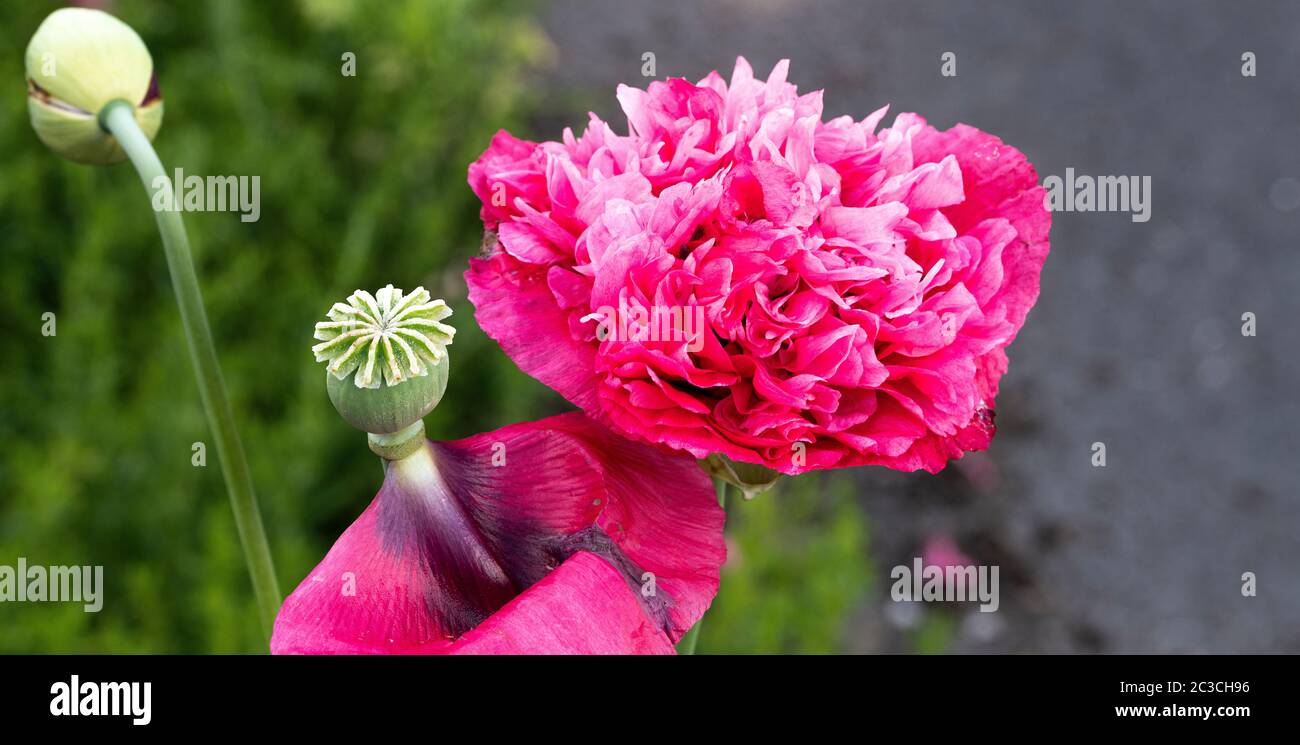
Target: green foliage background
{"x": 362, "y": 184}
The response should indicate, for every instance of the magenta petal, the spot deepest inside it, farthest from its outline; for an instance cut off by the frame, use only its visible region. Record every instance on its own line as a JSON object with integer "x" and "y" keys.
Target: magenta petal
{"x": 663, "y": 515}
{"x": 583, "y": 607}
{"x": 515, "y": 306}
{"x": 1000, "y": 182}
{"x": 453, "y": 546}
{"x": 506, "y": 172}
{"x": 361, "y": 599}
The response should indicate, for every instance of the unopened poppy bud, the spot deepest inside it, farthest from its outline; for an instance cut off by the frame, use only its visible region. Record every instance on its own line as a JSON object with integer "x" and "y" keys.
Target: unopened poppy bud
{"x": 750, "y": 478}
{"x": 78, "y": 61}
{"x": 386, "y": 360}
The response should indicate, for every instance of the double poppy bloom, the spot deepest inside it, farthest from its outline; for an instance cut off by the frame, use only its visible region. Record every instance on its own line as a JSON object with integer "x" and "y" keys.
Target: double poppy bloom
{"x": 856, "y": 286}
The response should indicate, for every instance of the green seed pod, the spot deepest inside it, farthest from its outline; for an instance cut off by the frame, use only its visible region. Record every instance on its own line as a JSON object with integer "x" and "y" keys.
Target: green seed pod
{"x": 77, "y": 62}
{"x": 388, "y": 408}
{"x": 386, "y": 357}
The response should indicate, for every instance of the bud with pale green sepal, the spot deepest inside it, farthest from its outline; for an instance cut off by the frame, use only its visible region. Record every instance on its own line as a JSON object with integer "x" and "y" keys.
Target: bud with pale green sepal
{"x": 78, "y": 61}
{"x": 750, "y": 478}
{"x": 386, "y": 364}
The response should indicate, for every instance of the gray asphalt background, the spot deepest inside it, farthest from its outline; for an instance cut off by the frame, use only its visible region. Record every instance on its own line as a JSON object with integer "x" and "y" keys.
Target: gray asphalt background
{"x": 1136, "y": 339}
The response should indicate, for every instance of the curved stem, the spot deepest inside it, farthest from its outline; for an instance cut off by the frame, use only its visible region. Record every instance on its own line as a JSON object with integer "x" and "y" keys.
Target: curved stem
{"x": 692, "y": 637}
{"x": 118, "y": 117}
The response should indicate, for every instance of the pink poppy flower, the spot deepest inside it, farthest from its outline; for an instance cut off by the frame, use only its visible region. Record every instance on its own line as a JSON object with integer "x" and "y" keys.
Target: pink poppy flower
{"x": 549, "y": 537}
{"x": 737, "y": 276}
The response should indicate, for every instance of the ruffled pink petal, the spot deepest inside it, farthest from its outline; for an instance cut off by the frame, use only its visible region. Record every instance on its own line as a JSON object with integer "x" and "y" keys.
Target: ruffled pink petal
{"x": 508, "y": 171}
{"x": 514, "y": 306}
{"x": 1000, "y": 182}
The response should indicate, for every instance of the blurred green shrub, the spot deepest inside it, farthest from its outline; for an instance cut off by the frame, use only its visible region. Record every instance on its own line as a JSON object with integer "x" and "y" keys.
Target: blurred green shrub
{"x": 362, "y": 184}
{"x": 797, "y": 565}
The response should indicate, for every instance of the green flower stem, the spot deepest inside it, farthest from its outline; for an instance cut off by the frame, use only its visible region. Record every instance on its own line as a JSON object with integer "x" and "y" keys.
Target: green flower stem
{"x": 692, "y": 637}
{"x": 118, "y": 118}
